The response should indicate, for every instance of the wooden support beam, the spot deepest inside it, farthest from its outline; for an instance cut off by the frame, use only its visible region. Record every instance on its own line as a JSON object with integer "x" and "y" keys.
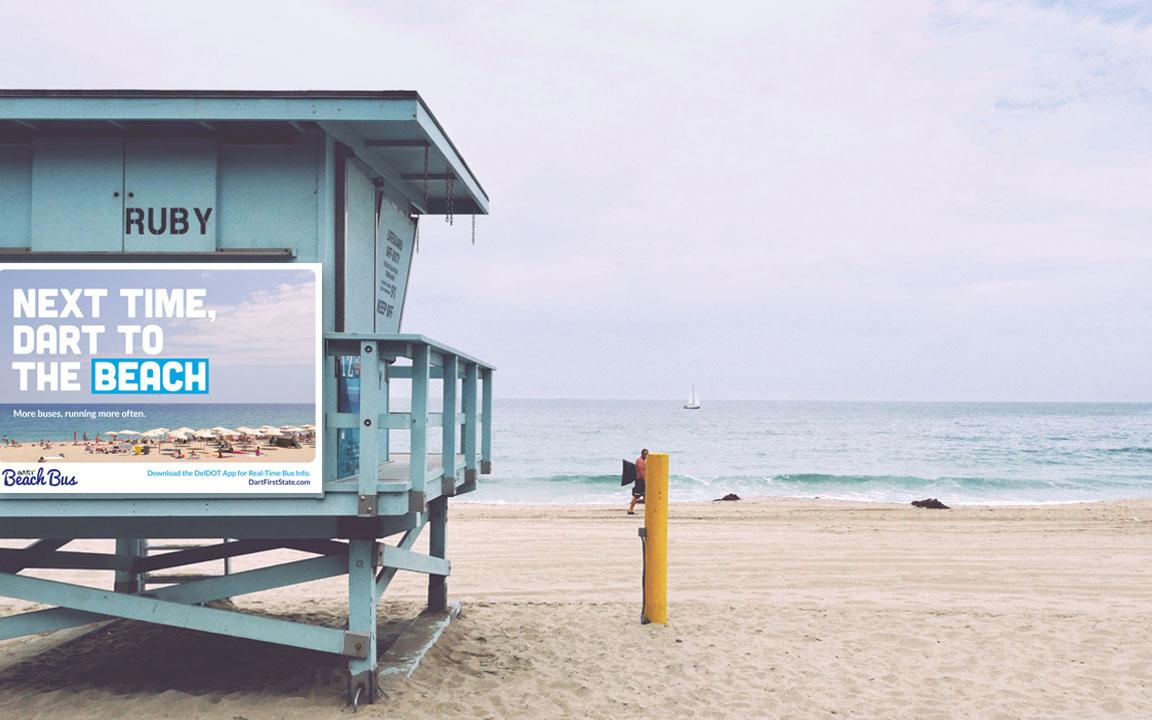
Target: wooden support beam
{"x": 206, "y": 553}
{"x": 191, "y": 617}
{"x": 384, "y": 577}
{"x": 431, "y": 176}
{"x": 401, "y": 559}
{"x": 320, "y": 547}
{"x": 36, "y": 550}
{"x": 362, "y": 600}
{"x": 397, "y": 144}
{"x": 67, "y": 560}
{"x": 128, "y": 578}
{"x": 438, "y": 548}
{"x": 201, "y": 591}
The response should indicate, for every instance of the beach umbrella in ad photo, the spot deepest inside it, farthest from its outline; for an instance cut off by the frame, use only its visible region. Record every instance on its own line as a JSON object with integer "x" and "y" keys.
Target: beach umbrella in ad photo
{"x": 125, "y": 433}
{"x": 184, "y": 431}
{"x": 157, "y": 434}
{"x": 245, "y": 430}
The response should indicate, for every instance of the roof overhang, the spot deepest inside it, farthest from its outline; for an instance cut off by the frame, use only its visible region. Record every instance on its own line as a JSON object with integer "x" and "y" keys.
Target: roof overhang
{"x": 388, "y": 130}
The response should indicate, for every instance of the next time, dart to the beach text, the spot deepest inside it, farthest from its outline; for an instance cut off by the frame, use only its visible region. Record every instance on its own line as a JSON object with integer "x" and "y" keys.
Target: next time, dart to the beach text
{"x": 41, "y": 335}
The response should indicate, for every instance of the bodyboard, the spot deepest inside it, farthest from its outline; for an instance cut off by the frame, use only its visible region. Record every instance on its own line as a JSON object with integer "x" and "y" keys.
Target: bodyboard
{"x": 628, "y": 475}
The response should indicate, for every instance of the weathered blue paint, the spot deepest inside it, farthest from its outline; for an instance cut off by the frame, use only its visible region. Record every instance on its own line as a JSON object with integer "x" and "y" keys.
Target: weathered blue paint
{"x": 162, "y": 612}
{"x": 173, "y": 176}
{"x": 448, "y": 425}
{"x": 362, "y": 619}
{"x": 418, "y": 461}
{"x": 486, "y": 422}
{"x": 200, "y": 591}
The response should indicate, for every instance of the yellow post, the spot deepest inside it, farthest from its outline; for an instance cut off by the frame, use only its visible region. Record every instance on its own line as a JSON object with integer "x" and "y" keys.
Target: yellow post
{"x": 656, "y": 540}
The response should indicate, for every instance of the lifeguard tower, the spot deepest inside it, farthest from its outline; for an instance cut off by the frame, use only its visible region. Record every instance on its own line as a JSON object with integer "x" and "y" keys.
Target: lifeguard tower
{"x": 336, "y": 178}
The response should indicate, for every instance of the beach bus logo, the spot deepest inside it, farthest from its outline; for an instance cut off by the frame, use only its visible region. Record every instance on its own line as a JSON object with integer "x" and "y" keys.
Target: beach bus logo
{"x": 42, "y": 477}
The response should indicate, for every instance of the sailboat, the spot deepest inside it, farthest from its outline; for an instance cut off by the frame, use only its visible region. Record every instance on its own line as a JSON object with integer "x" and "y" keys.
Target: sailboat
{"x": 693, "y": 402}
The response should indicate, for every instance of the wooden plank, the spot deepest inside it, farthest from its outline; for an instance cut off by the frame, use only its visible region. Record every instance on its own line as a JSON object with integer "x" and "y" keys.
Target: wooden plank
{"x": 401, "y": 559}
{"x": 402, "y": 659}
{"x": 201, "y": 591}
{"x": 191, "y": 617}
{"x": 36, "y": 550}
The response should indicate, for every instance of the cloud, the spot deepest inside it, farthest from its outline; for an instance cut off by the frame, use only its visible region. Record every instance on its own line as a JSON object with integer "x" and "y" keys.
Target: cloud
{"x": 269, "y": 327}
{"x": 806, "y": 195}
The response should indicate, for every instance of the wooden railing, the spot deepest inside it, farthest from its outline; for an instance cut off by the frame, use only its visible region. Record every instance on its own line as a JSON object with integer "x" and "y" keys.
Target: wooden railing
{"x": 465, "y": 416}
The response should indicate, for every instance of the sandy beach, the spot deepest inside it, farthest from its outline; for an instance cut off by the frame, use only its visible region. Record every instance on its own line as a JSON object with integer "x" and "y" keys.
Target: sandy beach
{"x": 67, "y": 452}
{"x": 777, "y": 608}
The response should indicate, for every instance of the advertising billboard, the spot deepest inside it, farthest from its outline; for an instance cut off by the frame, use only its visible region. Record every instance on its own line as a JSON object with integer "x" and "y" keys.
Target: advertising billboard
{"x": 160, "y": 379}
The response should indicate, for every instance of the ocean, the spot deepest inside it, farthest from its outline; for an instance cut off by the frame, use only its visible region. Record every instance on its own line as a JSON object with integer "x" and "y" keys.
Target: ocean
{"x": 569, "y": 451}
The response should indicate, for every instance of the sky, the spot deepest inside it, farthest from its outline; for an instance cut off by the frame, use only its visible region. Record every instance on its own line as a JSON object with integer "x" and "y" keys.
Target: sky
{"x": 827, "y": 200}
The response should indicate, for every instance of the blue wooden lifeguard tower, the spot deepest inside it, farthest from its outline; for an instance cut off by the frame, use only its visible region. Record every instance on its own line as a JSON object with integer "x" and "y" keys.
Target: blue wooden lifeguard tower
{"x": 337, "y": 178}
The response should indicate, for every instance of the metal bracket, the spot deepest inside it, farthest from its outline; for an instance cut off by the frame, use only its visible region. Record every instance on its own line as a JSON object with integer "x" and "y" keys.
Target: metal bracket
{"x": 417, "y": 502}
{"x": 355, "y": 645}
{"x": 366, "y": 506}
{"x": 447, "y": 485}
{"x": 469, "y": 481}
{"x": 363, "y": 689}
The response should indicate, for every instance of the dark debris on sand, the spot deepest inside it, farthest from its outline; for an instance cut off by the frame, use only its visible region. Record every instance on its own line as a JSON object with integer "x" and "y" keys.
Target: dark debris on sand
{"x": 931, "y": 504}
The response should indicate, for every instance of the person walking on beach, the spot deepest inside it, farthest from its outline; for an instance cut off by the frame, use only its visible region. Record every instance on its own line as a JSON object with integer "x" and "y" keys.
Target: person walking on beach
{"x": 638, "y": 486}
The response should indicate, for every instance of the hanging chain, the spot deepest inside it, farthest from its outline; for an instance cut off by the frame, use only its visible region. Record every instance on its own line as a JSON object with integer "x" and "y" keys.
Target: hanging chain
{"x": 473, "y": 228}
{"x": 450, "y": 183}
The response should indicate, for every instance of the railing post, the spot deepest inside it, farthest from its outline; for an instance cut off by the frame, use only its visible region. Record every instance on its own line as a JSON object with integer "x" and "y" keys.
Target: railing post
{"x": 369, "y": 437}
{"x": 418, "y": 441}
{"x": 385, "y": 408}
{"x": 448, "y": 426}
{"x": 468, "y": 431}
{"x": 486, "y": 428}
{"x": 329, "y": 399}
